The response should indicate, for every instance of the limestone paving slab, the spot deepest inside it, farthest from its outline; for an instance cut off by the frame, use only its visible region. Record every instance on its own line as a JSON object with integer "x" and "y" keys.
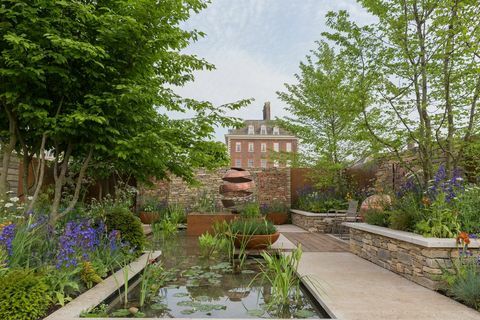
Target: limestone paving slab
{"x": 352, "y": 288}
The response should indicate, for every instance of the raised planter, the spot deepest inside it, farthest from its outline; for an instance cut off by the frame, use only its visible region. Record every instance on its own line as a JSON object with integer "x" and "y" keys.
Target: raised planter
{"x": 417, "y": 258}
{"x": 317, "y": 222}
{"x": 256, "y": 241}
{"x": 200, "y": 223}
{"x": 277, "y": 217}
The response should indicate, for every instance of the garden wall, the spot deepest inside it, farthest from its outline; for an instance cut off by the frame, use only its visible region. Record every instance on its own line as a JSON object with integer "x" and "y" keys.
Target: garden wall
{"x": 419, "y": 259}
{"x": 272, "y": 184}
{"x": 318, "y": 222}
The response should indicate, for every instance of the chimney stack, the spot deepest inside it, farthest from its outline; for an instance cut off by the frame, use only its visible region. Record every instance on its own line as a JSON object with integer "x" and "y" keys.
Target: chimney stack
{"x": 266, "y": 111}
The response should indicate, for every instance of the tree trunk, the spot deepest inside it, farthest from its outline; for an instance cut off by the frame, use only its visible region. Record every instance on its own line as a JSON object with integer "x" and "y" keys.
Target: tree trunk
{"x": 59, "y": 182}
{"x": 41, "y": 173}
{"x": 78, "y": 185}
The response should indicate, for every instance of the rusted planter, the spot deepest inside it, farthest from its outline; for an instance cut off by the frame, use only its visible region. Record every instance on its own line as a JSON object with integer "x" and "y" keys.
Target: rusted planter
{"x": 200, "y": 223}
{"x": 149, "y": 217}
{"x": 256, "y": 241}
{"x": 277, "y": 217}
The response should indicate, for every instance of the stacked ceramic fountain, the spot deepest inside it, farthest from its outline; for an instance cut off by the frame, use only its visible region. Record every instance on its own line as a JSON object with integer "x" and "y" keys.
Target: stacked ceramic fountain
{"x": 237, "y": 188}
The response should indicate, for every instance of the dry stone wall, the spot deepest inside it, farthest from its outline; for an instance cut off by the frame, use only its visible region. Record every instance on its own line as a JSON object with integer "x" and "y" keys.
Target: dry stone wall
{"x": 272, "y": 185}
{"x": 423, "y": 265}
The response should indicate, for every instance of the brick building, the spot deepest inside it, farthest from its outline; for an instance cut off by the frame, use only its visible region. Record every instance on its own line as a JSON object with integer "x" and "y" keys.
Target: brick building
{"x": 261, "y": 144}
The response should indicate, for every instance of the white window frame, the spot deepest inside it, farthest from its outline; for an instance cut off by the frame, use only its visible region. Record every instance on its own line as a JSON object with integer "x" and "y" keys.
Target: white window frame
{"x": 276, "y": 146}
{"x": 263, "y": 163}
{"x": 251, "y": 129}
{"x": 288, "y": 147}
{"x": 263, "y": 147}
{"x": 238, "y": 163}
{"x": 238, "y": 147}
{"x": 276, "y": 130}
{"x": 251, "y": 147}
{"x": 250, "y": 163}
{"x": 263, "y": 129}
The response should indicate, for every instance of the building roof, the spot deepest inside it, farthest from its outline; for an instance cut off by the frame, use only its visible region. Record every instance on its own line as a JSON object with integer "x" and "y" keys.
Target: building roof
{"x": 257, "y": 124}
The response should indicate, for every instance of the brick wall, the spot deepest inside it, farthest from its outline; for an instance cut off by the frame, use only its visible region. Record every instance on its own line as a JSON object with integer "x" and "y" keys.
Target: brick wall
{"x": 271, "y": 185}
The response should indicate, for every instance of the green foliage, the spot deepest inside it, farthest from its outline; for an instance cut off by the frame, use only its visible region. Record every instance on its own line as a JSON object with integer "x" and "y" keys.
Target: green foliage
{"x": 463, "y": 283}
{"x": 377, "y": 217}
{"x": 252, "y": 227}
{"x": 88, "y": 274}
{"x": 210, "y": 245}
{"x": 62, "y": 283}
{"x": 320, "y": 202}
{"x": 206, "y": 203}
{"x": 274, "y": 207}
{"x": 130, "y": 228}
{"x": 168, "y": 227}
{"x": 250, "y": 210}
{"x": 23, "y": 296}
{"x": 467, "y": 204}
{"x": 402, "y": 220}
{"x": 440, "y": 220}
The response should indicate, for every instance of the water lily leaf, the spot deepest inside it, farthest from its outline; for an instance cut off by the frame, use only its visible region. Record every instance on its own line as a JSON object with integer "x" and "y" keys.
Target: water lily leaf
{"x": 256, "y": 312}
{"x": 219, "y": 307}
{"x": 247, "y": 271}
{"x": 188, "y": 311}
{"x": 304, "y": 313}
{"x": 186, "y": 303}
{"x": 139, "y": 314}
{"x": 158, "y": 306}
{"x": 121, "y": 313}
{"x": 203, "y": 298}
{"x": 181, "y": 294}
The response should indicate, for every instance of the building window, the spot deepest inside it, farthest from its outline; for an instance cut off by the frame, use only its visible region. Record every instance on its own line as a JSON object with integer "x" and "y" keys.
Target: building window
{"x": 276, "y": 147}
{"x": 275, "y": 163}
{"x": 250, "y": 147}
{"x": 238, "y": 147}
{"x": 251, "y": 129}
{"x": 250, "y": 163}
{"x": 288, "y": 147}
{"x": 276, "y": 131}
{"x": 263, "y": 129}
{"x": 288, "y": 164}
{"x": 263, "y": 147}
{"x": 263, "y": 163}
{"x": 238, "y": 163}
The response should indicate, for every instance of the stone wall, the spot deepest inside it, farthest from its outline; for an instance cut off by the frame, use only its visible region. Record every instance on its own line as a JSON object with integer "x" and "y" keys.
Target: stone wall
{"x": 317, "y": 222}
{"x": 272, "y": 185}
{"x": 420, "y": 264}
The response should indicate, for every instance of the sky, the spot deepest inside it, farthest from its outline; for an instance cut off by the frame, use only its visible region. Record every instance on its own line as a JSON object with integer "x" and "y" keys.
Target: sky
{"x": 256, "y": 47}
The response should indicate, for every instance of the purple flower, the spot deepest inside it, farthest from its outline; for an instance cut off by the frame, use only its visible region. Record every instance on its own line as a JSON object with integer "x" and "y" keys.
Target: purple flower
{"x": 79, "y": 239}
{"x": 6, "y": 237}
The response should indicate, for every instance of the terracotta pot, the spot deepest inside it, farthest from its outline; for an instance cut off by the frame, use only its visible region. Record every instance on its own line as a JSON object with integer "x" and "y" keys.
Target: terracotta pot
{"x": 277, "y": 217}
{"x": 200, "y": 223}
{"x": 256, "y": 241}
{"x": 149, "y": 217}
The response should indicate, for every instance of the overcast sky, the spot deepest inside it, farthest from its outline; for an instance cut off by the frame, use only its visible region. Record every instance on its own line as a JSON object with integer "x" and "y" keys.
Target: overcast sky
{"x": 256, "y": 47}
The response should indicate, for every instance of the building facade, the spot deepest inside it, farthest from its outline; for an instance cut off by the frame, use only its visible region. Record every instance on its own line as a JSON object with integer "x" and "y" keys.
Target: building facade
{"x": 261, "y": 144}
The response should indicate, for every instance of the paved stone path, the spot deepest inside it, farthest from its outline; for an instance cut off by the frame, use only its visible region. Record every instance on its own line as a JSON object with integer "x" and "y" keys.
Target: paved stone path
{"x": 352, "y": 288}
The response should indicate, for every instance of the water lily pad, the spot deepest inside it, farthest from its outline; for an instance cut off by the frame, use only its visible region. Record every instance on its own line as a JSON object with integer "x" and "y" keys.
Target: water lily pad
{"x": 181, "y": 294}
{"x": 121, "y": 313}
{"x": 247, "y": 271}
{"x": 203, "y": 298}
{"x": 186, "y": 303}
{"x": 188, "y": 311}
{"x": 304, "y": 313}
{"x": 256, "y": 312}
{"x": 158, "y": 306}
{"x": 139, "y": 314}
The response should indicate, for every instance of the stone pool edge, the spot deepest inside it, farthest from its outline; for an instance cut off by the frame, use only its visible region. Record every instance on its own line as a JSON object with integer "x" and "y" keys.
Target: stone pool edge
{"x": 99, "y": 293}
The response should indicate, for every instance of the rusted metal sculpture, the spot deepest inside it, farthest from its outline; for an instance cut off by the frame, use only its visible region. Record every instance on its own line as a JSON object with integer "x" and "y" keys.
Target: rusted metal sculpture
{"x": 237, "y": 188}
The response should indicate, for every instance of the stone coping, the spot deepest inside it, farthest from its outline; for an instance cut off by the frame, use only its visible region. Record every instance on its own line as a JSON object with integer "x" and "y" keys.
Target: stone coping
{"x": 409, "y": 236}
{"x": 320, "y": 215}
{"x": 96, "y": 295}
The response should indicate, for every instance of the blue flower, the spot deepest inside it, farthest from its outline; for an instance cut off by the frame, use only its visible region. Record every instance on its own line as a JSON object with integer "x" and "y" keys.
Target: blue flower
{"x": 6, "y": 237}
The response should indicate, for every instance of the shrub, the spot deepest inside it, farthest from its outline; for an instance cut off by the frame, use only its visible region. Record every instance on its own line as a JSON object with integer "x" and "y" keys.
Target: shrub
{"x": 23, "y": 296}
{"x": 377, "y": 217}
{"x": 130, "y": 228}
{"x": 463, "y": 284}
{"x": 252, "y": 227}
{"x": 402, "y": 220}
{"x": 440, "y": 220}
{"x": 468, "y": 205}
{"x": 250, "y": 210}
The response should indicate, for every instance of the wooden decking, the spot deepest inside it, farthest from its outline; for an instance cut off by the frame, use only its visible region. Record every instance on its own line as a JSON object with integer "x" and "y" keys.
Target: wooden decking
{"x": 316, "y": 242}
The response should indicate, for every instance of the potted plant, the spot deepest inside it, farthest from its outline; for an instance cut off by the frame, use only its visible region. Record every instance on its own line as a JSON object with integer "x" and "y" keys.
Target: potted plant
{"x": 150, "y": 211}
{"x": 254, "y": 233}
{"x": 276, "y": 212}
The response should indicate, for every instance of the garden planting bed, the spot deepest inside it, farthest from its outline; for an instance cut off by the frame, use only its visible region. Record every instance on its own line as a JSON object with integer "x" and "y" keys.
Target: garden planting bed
{"x": 200, "y": 223}
{"x": 317, "y": 222}
{"x": 102, "y": 291}
{"x": 417, "y": 258}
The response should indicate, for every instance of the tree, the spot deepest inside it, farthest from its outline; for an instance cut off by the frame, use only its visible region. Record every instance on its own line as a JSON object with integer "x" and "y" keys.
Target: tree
{"x": 416, "y": 76}
{"x": 94, "y": 76}
{"x": 324, "y": 115}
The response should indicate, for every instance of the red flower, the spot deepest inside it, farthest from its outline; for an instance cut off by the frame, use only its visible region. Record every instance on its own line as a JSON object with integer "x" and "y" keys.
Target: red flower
{"x": 463, "y": 238}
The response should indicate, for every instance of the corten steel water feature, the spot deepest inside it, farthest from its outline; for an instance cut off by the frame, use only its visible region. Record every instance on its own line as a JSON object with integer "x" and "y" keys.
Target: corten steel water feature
{"x": 238, "y": 187}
